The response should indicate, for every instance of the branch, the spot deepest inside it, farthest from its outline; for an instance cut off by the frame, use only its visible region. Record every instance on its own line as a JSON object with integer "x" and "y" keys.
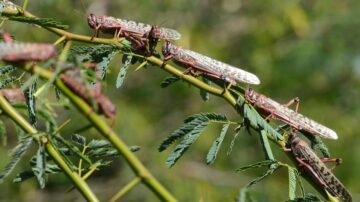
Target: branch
{"x": 74, "y": 177}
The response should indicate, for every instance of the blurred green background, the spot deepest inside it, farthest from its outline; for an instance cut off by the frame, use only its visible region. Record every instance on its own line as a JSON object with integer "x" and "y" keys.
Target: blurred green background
{"x": 309, "y": 49}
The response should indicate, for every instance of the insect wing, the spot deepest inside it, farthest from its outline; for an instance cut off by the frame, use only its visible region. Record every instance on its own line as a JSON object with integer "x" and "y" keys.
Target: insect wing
{"x": 230, "y": 73}
{"x": 169, "y": 34}
{"x": 301, "y": 122}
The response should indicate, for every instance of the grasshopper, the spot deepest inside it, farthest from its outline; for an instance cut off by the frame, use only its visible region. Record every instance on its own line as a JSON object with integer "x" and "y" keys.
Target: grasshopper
{"x": 23, "y": 52}
{"x": 208, "y": 66}
{"x": 73, "y": 81}
{"x": 13, "y": 95}
{"x": 287, "y": 115}
{"x": 315, "y": 167}
{"x": 138, "y": 33}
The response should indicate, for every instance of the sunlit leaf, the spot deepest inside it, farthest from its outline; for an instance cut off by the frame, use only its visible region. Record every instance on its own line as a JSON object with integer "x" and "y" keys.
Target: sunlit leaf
{"x": 123, "y": 70}
{"x": 15, "y": 156}
{"x": 292, "y": 183}
{"x": 211, "y": 156}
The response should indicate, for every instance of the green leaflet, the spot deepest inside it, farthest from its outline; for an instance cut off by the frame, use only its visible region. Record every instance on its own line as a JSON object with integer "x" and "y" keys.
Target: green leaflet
{"x": 3, "y": 134}
{"x": 31, "y": 102}
{"x": 189, "y": 124}
{"x": 257, "y": 165}
{"x": 6, "y": 82}
{"x": 78, "y": 139}
{"x": 270, "y": 171}
{"x": 256, "y": 120}
{"x": 50, "y": 169}
{"x": 40, "y": 170}
{"x": 104, "y": 64}
{"x": 93, "y": 144}
{"x": 168, "y": 81}
{"x": 233, "y": 143}
{"x": 188, "y": 139}
{"x": 122, "y": 73}
{"x": 266, "y": 145}
{"x": 292, "y": 183}
{"x": 43, "y": 22}
{"x": 7, "y": 69}
{"x": 211, "y": 156}
{"x": 16, "y": 155}
{"x": 72, "y": 148}
{"x": 100, "y": 54}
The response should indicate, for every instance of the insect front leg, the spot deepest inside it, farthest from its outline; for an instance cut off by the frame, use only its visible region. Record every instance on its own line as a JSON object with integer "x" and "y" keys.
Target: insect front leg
{"x": 292, "y": 101}
{"x": 166, "y": 59}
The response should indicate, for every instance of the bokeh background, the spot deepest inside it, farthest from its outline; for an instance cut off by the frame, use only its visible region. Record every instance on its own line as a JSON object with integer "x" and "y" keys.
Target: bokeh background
{"x": 309, "y": 49}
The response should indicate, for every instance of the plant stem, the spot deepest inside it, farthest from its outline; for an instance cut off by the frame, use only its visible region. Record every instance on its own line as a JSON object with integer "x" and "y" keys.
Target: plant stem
{"x": 125, "y": 189}
{"x": 26, "y": 126}
{"x": 139, "y": 169}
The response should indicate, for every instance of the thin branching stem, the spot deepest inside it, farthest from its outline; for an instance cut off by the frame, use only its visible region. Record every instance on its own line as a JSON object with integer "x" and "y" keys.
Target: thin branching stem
{"x": 106, "y": 131}
{"x": 101, "y": 125}
{"x": 28, "y": 128}
{"x": 125, "y": 189}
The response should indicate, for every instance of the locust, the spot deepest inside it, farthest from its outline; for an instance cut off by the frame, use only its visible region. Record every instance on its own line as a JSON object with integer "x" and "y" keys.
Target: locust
{"x": 283, "y": 113}
{"x": 12, "y": 51}
{"x": 136, "y": 32}
{"x": 13, "y": 95}
{"x": 72, "y": 79}
{"x": 316, "y": 168}
{"x": 206, "y": 65}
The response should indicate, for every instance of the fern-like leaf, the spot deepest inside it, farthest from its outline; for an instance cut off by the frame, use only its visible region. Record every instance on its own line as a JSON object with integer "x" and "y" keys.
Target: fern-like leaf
{"x": 123, "y": 70}
{"x": 7, "y": 69}
{"x": 7, "y": 82}
{"x": 211, "y": 156}
{"x": 266, "y": 145}
{"x": 236, "y": 135}
{"x": 15, "y": 156}
{"x": 292, "y": 183}
{"x": 31, "y": 102}
{"x": 257, "y": 165}
{"x": 188, "y": 139}
{"x": 78, "y": 139}
{"x": 181, "y": 132}
{"x": 43, "y": 22}
{"x": 256, "y": 120}
{"x": 168, "y": 81}
{"x": 270, "y": 171}
{"x": 104, "y": 64}
{"x": 40, "y": 165}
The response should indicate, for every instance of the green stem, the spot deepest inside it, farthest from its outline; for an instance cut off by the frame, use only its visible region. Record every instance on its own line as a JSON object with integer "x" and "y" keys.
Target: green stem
{"x": 99, "y": 123}
{"x": 26, "y": 126}
{"x": 125, "y": 189}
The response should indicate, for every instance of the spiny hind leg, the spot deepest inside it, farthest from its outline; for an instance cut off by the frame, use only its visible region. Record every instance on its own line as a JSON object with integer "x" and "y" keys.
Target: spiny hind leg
{"x": 337, "y": 161}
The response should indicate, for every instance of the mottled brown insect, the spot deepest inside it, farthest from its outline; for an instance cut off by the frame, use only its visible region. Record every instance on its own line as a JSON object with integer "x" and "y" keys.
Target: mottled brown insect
{"x": 283, "y": 113}
{"x": 12, "y": 51}
{"x": 315, "y": 167}
{"x": 13, "y": 95}
{"x": 73, "y": 81}
{"x": 206, "y": 65}
{"x": 141, "y": 35}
